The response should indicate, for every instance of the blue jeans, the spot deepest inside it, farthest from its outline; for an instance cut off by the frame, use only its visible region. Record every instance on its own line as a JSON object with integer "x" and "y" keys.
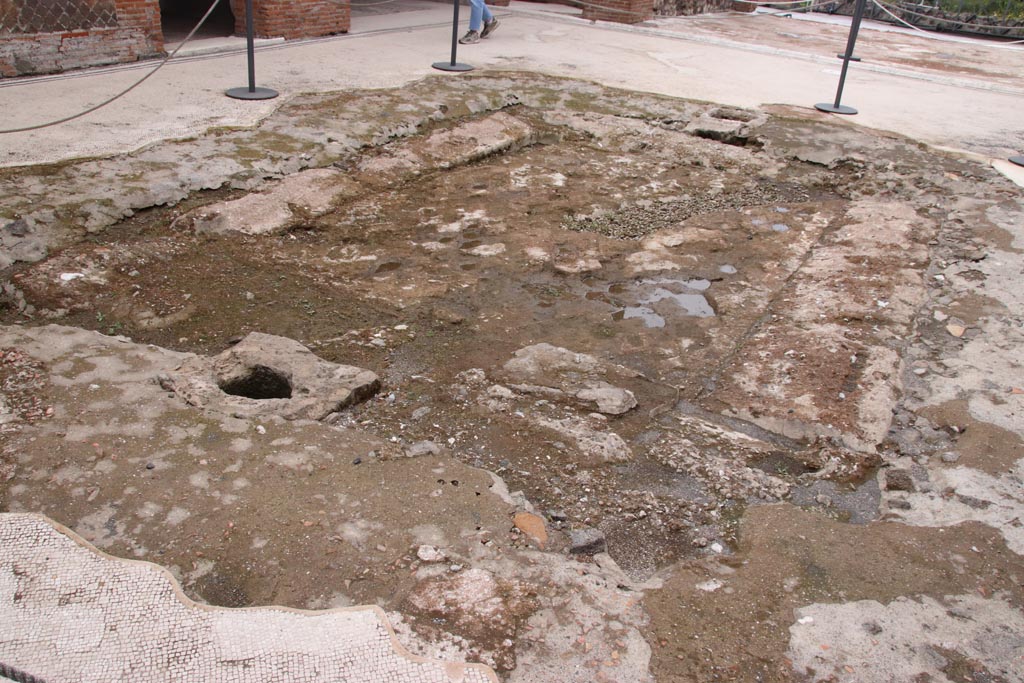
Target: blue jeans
{"x": 478, "y": 11}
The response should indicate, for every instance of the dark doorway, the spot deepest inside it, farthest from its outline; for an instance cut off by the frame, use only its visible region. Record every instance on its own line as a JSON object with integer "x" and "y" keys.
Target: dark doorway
{"x": 178, "y": 17}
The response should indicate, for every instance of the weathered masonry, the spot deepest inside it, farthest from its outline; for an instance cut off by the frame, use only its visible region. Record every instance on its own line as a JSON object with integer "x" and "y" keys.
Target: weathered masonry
{"x": 41, "y": 36}
{"x": 46, "y": 36}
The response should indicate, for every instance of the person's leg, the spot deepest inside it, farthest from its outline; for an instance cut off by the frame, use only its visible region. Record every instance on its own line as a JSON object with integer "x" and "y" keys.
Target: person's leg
{"x": 476, "y": 14}
{"x": 490, "y": 22}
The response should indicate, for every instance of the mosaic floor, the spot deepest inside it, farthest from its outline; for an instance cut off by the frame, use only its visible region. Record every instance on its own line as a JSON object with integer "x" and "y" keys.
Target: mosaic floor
{"x": 70, "y": 613}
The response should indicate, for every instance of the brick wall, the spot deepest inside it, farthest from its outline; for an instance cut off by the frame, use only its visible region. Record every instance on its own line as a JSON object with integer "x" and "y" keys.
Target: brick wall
{"x": 622, "y": 11}
{"x": 46, "y": 36}
{"x": 142, "y": 16}
{"x": 294, "y": 18}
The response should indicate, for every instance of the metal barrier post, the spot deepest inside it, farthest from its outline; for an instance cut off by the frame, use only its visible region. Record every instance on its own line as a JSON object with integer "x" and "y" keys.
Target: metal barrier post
{"x": 836, "y": 107}
{"x": 453, "y": 65}
{"x": 252, "y": 92}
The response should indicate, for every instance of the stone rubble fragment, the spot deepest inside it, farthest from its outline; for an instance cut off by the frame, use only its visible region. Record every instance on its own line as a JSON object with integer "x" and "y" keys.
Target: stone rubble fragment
{"x": 421, "y": 448}
{"x": 595, "y": 445}
{"x": 587, "y": 541}
{"x": 576, "y": 377}
{"x": 532, "y": 526}
{"x": 428, "y": 553}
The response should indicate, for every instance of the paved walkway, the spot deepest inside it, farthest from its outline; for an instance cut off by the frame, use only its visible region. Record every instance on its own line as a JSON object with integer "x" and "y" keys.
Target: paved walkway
{"x": 69, "y": 613}
{"x": 735, "y": 59}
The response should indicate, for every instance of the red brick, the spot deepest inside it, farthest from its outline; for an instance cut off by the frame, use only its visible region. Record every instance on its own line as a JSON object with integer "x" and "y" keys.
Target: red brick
{"x": 621, "y": 11}
{"x": 138, "y": 33}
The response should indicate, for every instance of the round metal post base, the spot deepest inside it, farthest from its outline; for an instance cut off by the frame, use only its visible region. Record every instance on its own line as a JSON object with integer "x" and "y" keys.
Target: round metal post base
{"x": 1017, "y": 160}
{"x": 448, "y": 66}
{"x": 833, "y": 109}
{"x": 255, "y": 94}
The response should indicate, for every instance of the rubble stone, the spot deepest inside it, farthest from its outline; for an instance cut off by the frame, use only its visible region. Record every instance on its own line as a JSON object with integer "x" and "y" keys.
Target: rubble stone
{"x": 899, "y": 480}
{"x": 587, "y": 541}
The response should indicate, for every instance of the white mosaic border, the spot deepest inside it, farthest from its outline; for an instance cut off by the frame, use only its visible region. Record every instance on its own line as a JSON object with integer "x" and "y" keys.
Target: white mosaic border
{"x": 70, "y": 613}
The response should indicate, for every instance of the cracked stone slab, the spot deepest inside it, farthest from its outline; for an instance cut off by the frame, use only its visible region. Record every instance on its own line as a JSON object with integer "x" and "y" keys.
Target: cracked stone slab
{"x": 71, "y": 613}
{"x": 463, "y": 144}
{"x": 727, "y": 124}
{"x": 908, "y": 639}
{"x": 305, "y": 194}
{"x": 962, "y": 494}
{"x": 475, "y": 602}
{"x": 979, "y": 371}
{"x": 19, "y": 241}
{"x": 595, "y": 445}
{"x": 826, "y": 362}
{"x": 272, "y": 365}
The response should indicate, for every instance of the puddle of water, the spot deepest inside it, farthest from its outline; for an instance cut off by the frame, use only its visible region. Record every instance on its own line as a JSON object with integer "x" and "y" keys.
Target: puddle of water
{"x": 780, "y": 227}
{"x": 727, "y": 269}
{"x": 685, "y": 294}
{"x": 757, "y": 221}
{"x": 700, "y": 285}
{"x": 648, "y": 316}
{"x": 781, "y": 209}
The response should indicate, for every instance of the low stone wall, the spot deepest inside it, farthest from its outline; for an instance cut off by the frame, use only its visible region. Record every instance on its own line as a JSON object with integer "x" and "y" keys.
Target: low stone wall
{"x": 934, "y": 18}
{"x": 688, "y": 7}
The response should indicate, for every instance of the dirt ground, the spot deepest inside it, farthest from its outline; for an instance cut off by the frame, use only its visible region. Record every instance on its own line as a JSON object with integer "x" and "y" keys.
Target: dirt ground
{"x": 667, "y": 386}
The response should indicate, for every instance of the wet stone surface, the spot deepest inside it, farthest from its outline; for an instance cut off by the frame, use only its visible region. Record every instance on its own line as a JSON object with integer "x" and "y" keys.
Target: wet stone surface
{"x": 623, "y": 352}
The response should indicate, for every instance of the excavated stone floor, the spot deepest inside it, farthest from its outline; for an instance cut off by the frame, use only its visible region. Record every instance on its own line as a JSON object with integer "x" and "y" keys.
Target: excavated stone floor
{"x": 580, "y": 384}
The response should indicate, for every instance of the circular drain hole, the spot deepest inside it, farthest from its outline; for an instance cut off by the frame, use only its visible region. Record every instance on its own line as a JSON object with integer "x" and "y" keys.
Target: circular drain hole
{"x": 260, "y": 383}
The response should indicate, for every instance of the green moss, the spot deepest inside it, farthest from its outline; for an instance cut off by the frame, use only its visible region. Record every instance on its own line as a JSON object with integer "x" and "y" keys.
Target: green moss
{"x": 1009, "y": 9}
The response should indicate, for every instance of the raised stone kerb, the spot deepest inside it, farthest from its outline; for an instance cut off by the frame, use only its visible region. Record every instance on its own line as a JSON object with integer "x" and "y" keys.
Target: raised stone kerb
{"x": 265, "y": 375}
{"x": 445, "y": 149}
{"x": 309, "y": 193}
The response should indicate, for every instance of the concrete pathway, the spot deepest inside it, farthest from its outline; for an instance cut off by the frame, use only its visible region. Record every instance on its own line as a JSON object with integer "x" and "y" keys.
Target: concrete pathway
{"x": 70, "y": 613}
{"x": 979, "y": 114}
